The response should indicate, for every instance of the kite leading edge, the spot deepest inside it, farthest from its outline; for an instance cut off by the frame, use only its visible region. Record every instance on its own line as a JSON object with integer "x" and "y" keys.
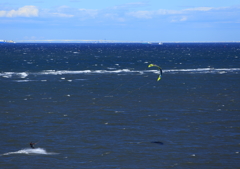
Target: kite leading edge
{"x": 160, "y": 69}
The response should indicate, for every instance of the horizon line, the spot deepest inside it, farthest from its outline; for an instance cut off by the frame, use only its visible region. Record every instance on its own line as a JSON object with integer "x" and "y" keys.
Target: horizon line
{"x": 120, "y": 41}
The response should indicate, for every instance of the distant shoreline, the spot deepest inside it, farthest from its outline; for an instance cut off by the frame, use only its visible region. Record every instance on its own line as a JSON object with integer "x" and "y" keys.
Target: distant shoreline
{"x": 115, "y": 41}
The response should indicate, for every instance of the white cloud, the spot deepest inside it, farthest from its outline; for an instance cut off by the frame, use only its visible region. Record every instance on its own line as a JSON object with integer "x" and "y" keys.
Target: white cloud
{"x": 179, "y": 19}
{"x": 114, "y": 17}
{"x": 59, "y": 12}
{"x": 88, "y": 12}
{"x": 151, "y": 14}
{"x": 184, "y": 18}
{"x": 167, "y": 12}
{"x": 141, "y": 14}
{"x": 164, "y": 12}
{"x": 199, "y": 9}
{"x": 26, "y": 11}
{"x": 128, "y": 6}
{"x": 69, "y": 12}
{"x": 62, "y": 15}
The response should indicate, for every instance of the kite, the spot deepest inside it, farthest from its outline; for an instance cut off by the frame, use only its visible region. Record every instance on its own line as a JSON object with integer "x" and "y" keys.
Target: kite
{"x": 160, "y": 69}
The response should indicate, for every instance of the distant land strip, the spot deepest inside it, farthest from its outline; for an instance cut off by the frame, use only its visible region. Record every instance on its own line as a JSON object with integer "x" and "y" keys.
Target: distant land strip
{"x": 116, "y": 41}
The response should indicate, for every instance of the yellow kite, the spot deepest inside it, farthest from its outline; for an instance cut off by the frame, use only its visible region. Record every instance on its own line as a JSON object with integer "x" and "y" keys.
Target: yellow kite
{"x": 160, "y": 69}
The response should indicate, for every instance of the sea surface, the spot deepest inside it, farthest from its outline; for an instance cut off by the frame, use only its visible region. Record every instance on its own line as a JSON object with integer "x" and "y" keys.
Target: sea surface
{"x": 100, "y": 106}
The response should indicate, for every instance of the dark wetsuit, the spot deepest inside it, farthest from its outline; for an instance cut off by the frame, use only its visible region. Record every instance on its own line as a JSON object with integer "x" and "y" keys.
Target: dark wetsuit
{"x": 32, "y": 145}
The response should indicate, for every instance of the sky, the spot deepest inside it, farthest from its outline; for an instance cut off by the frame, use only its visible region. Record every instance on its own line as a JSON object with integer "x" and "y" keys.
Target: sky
{"x": 121, "y": 20}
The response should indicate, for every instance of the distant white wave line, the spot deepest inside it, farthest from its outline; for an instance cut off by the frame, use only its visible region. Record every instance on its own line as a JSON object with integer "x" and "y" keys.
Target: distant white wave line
{"x": 203, "y": 69}
{"x": 30, "y": 151}
{"x": 10, "y": 74}
{"x": 64, "y": 72}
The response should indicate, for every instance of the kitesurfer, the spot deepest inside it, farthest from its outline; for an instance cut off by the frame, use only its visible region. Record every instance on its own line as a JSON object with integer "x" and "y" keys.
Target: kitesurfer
{"x": 32, "y": 145}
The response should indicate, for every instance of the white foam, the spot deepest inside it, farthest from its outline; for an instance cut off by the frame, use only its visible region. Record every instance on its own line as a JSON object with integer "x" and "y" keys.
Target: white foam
{"x": 62, "y": 72}
{"x": 111, "y": 68}
{"x": 23, "y": 80}
{"x": 118, "y": 71}
{"x": 81, "y": 79}
{"x": 22, "y": 75}
{"x": 6, "y": 74}
{"x": 29, "y": 151}
{"x": 11, "y": 74}
{"x": 203, "y": 70}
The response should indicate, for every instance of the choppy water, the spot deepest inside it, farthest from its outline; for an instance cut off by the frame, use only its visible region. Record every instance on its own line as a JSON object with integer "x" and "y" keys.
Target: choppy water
{"x": 100, "y": 106}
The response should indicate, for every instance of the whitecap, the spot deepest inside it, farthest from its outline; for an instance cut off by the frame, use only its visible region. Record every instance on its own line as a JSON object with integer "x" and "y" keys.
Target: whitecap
{"x": 111, "y": 68}
{"x": 23, "y": 80}
{"x": 119, "y": 111}
{"x": 61, "y": 72}
{"x": 29, "y": 151}
{"x": 81, "y": 79}
{"x": 11, "y": 74}
{"x": 22, "y": 75}
{"x": 204, "y": 70}
{"x": 7, "y": 74}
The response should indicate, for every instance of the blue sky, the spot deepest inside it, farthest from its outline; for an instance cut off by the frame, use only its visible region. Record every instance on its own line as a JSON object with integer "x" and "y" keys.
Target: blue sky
{"x": 120, "y": 20}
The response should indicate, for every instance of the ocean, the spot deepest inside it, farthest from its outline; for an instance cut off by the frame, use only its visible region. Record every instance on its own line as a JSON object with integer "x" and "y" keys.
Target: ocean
{"x": 89, "y": 105}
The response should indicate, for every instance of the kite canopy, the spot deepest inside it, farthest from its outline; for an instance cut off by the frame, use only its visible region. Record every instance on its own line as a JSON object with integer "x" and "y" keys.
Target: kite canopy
{"x": 160, "y": 69}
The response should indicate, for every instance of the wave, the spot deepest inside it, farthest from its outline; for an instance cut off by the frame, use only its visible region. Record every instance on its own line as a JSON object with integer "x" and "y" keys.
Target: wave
{"x": 23, "y": 75}
{"x": 14, "y": 74}
{"x": 62, "y": 72}
{"x": 29, "y": 151}
{"x": 24, "y": 80}
{"x": 204, "y": 70}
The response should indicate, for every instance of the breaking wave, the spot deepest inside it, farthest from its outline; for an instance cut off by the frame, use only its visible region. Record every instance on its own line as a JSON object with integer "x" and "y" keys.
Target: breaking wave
{"x": 29, "y": 151}
{"x": 205, "y": 70}
{"x": 14, "y": 74}
{"x": 23, "y": 75}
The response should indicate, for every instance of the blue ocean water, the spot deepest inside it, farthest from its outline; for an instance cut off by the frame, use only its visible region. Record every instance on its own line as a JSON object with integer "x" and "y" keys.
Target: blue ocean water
{"x": 100, "y": 106}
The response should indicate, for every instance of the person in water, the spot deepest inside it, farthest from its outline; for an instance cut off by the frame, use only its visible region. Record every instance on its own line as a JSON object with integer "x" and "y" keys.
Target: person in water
{"x": 32, "y": 145}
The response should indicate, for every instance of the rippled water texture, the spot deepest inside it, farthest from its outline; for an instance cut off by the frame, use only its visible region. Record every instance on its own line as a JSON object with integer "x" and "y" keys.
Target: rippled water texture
{"x": 100, "y": 106}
